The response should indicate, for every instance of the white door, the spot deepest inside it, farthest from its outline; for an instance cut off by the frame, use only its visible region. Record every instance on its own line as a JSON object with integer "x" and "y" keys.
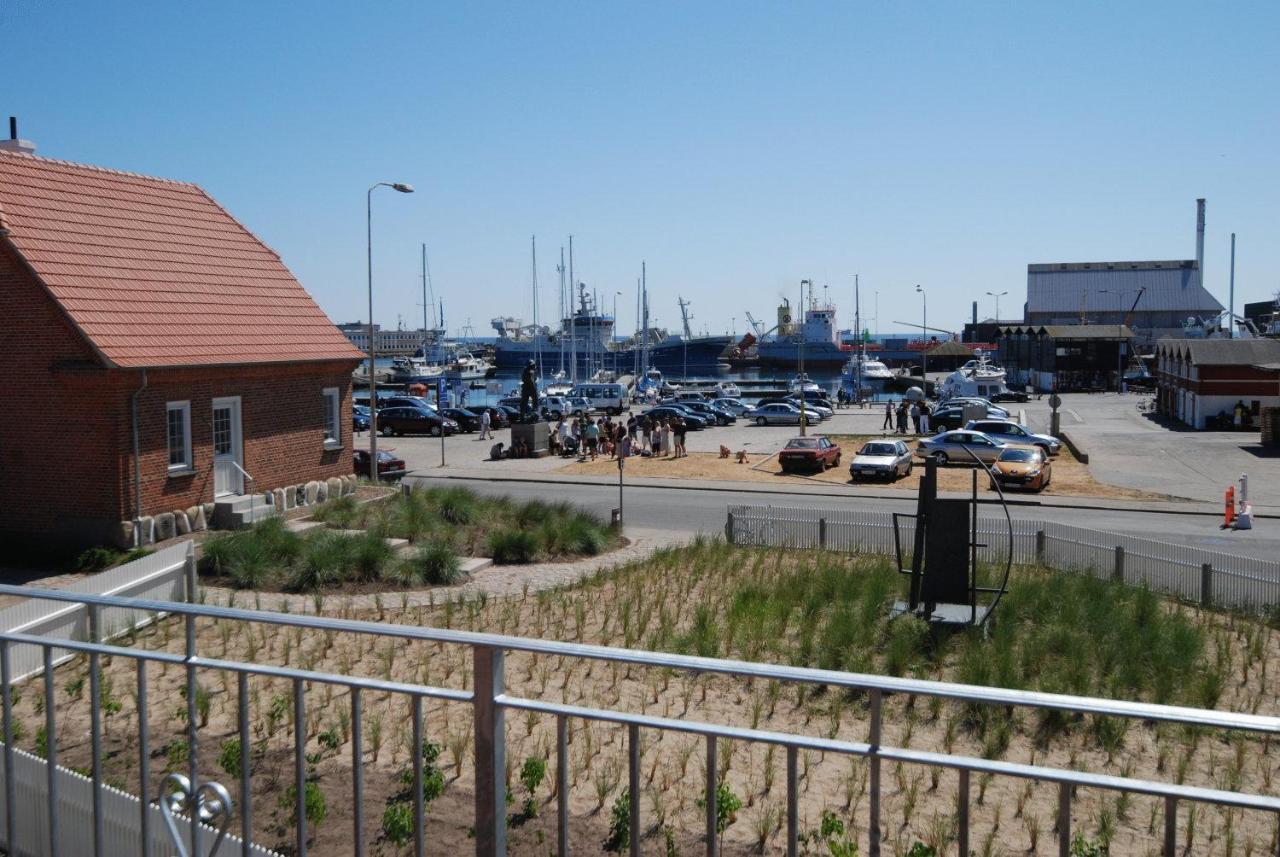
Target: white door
{"x": 228, "y": 454}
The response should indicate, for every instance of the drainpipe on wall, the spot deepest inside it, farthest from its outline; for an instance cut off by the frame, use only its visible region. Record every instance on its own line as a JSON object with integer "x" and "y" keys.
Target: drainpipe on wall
{"x": 137, "y": 464}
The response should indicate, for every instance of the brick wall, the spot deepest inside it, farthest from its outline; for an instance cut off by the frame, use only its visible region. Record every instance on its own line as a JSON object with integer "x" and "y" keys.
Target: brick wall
{"x": 56, "y": 439}
{"x": 66, "y": 445}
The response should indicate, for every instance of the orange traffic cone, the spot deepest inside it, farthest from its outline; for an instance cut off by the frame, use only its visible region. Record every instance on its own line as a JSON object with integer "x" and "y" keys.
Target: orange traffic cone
{"x": 1229, "y": 510}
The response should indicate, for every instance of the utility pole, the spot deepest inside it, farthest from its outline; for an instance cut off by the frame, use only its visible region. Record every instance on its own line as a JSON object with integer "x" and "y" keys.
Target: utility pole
{"x": 573, "y": 321}
{"x": 804, "y": 402}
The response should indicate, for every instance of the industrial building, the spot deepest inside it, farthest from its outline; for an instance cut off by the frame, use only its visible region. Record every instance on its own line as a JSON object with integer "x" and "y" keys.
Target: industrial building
{"x": 1154, "y": 299}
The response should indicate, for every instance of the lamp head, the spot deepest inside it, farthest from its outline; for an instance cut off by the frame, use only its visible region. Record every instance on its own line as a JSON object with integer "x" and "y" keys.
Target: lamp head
{"x": 402, "y": 187}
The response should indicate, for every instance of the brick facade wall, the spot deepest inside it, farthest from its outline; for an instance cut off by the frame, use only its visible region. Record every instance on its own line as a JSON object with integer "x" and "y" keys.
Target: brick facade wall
{"x": 66, "y": 445}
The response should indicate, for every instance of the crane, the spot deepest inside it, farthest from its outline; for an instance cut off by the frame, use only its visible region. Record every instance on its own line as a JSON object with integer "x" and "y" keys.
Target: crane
{"x": 757, "y": 326}
{"x": 684, "y": 316}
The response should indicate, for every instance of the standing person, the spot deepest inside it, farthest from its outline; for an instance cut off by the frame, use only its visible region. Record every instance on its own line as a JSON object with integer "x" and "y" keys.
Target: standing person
{"x": 680, "y": 429}
{"x": 562, "y": 430}
{"x": 646, "y": 430}
{"x": 633, "y": 426}
{"x": 915, "y": 416}
{"x": 924, "y": 418}
{"x": 485, "y": 419}
{"x": 666, "y": 438}
{"x": 593, "y": 439}
{"x": 902, "y": 417}
{"x": 888, "y": 416}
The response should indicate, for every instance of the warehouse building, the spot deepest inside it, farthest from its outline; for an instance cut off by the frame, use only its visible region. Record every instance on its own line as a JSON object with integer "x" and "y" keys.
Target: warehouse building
{"x": 1202, "y": 381}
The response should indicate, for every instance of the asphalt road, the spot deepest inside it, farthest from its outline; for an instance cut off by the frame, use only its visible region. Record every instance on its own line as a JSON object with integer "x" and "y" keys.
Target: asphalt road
{"x": 677, "y": 511}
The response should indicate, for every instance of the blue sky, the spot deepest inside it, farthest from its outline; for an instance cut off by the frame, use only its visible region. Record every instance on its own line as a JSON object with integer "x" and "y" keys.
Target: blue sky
{"x": 736, "y": 147}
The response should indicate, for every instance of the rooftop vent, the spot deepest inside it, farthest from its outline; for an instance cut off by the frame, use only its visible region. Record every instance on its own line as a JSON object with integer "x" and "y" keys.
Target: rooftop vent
{"x": 13, "y": 144}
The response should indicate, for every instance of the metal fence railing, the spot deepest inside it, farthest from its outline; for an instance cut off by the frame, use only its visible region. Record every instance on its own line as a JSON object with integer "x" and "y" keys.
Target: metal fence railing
{"x": 1195, "y": 574}
{"x": 489, "y": 703}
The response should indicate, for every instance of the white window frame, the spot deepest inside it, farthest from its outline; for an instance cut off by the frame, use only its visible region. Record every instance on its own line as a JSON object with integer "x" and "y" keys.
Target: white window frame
{"x": 333, "y": 408}
{"x": 187, "y": 465}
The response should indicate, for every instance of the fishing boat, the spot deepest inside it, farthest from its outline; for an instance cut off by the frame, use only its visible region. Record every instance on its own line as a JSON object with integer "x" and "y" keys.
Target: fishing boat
{"x": 977, "y": 377}
{"x": 803, "y": 384}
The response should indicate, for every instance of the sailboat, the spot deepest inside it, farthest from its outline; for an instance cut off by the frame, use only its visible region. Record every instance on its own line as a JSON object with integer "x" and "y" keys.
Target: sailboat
{"x": 861, "y": 375}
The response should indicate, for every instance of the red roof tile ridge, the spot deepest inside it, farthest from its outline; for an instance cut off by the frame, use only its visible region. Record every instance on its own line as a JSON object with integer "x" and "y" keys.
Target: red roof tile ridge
{"x": 24, "y": 156}
{"x": 247, "y": 230}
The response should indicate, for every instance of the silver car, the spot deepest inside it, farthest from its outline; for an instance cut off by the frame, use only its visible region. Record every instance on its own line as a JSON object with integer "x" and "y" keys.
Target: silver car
{"x": 779, "y": 414}
{"x": 730, "y": 406}
{"x": 955, "y": 446}
{"x": 1007, "y": 431}
{"x": 881, "y": 458}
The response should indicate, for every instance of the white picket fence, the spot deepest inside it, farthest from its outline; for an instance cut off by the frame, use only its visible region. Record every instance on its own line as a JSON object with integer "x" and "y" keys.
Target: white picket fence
{"x": 1209, "y": 577}
{"x": 168, "y": 574}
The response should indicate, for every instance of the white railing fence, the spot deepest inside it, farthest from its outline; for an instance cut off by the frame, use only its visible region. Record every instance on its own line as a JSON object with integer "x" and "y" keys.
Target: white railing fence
{"x": 1195, "y": 574}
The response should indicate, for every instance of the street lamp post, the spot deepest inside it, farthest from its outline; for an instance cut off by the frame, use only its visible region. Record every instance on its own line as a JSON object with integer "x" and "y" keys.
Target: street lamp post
{"x": 924, "y": 332}
{"x": 373, "y": 382}
{"x": 804, "y": 401}
{"x": 997, "y": 296}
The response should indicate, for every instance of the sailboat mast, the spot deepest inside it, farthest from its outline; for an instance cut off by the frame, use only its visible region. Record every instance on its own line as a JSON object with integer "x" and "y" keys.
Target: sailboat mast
{"x": 644, "y": 292}
{"x": 560, "y": 271}
{"x": 862, "y": 342}
{"x": 426, "y": 304}
{"x": 573, "y": 319}
{"x": 537, "y": 333}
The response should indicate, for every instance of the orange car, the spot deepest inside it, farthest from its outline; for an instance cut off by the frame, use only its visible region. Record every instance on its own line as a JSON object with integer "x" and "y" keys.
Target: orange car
{"x": 1022, "y": 467}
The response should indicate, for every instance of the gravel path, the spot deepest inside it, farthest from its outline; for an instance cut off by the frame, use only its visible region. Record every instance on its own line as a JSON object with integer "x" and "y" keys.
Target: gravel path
{"x": 496, "y": 581}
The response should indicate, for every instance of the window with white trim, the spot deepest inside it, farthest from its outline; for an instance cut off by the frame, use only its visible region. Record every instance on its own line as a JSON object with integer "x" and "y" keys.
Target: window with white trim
{"x": 178, "y": 421}
{"x": 332, "y": 417}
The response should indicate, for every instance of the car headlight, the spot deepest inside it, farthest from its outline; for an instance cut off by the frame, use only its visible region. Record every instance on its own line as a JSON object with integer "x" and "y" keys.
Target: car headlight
{"x": 1033, "y": 472}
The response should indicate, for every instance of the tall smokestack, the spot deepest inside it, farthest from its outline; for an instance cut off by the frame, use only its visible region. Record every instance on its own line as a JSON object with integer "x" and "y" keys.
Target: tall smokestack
{"x": 1200, "y": 239}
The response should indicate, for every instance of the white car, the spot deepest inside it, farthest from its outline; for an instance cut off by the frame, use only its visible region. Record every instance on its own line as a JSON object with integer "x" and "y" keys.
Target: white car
{"x": 730, "y": 406}
{"x": 887, "y": 459}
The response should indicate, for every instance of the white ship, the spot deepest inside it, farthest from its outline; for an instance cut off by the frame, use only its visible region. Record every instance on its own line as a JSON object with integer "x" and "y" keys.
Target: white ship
{"x": 978, "y": 377}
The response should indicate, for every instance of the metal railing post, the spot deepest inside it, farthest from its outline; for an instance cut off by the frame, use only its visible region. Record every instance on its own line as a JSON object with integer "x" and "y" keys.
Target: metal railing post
{"x": 51, "y": 750}
{"x": 300, "y": 765}
{"x": 357, "y": 771}
{"x": 246, "y": 765}
{"x": 873, "y": 830}
{"x": 713, "y": 844}
{"x": 189, "y": 569}
{"x": 1206, "y": 585}
{"x": 728, "y": 529}
{"x": 562, "y": 786}
{"x": 193, "y": 690}
{"x": 144, "y": 761}
{"x": 962, "y": 813}
{"x": 793, "y": 820}
{"x": 822, "y": 533}
{"x": 419, "y": 810}
{"x": 10, "y": 784}
{"x": 1064, "y": 820}
{"x": 633, "y": 786}
{"x": 1170, "y": 827}
{"x": 491, "y": 822}
{"x": 95, "y": 727}
{"x": 1117, "y": 570}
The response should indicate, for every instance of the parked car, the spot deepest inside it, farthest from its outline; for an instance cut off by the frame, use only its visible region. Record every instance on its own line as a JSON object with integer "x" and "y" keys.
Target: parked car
{"x": 961, "y": 401}
{"x": 553, "y": 407}
{"x": 733, "y": 406}
{"x": 467, "y": 419}
{"x": 405, "y": 420}
{"x": 610, "y": 398}
{"x": 1007, "y": 431}
{"x": 813, "y": 397}
{"x": 703, "y": 408}
{"x": 814, "y": 452}
{"x": 694, "y": 422}
{"x": 389, "y": 467}
{"x": 577, "y": 406}
{"x": 690, "y": 396}
{"x": 1024, "y": 467}
{"x": 360, "y": 417}
{"x": 878, "y": 459}
{"x": 953, "y": 446}
{"x": 1010, "y": 396}
{"x": 404, "y": 402}
{"x": 949, "y": 418}
{"x": 513, "y": 414}
{"x": 781, "y": 414}
{"x": 822, "y": 406}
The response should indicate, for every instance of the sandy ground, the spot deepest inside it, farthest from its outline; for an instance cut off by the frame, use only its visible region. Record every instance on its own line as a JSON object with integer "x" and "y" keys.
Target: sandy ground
{"x": 1070, "y": 477}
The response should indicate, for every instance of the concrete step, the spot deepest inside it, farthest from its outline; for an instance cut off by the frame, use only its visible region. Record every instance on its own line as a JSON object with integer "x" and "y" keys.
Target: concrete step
{"x": 303, "y": 526}
{"x": 236, "y": 513}
{"x": 472, "y": 564}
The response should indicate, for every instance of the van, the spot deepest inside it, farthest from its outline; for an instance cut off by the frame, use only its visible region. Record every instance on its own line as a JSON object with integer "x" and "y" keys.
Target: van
{"x": 610, "y": 398}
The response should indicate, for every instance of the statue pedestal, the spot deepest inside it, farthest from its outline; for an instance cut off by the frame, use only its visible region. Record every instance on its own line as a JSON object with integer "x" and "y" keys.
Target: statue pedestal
{"x": 537, "y": 436}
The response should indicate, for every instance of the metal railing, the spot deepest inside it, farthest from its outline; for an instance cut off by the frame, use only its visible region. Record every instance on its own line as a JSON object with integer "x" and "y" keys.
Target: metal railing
{"x": 490, "y": 702}
{"x": 1194, "y": 574}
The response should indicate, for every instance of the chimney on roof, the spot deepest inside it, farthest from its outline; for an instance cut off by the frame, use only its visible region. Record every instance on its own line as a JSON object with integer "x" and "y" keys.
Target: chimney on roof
{"x": 1200, "y": 239}
{"x": 13, "y": 144}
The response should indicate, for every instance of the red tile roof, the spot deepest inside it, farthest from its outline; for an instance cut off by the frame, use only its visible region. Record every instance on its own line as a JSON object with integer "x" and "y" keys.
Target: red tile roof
{"x": 155, "y": 272}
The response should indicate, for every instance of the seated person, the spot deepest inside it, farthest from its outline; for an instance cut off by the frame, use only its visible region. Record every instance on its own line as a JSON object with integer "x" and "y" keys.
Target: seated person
{"x": 495, "y": 452}
{"x": 519, "y": 449}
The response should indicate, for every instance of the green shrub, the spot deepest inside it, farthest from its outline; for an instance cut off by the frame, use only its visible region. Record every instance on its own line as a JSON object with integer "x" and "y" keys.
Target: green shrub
{"x": 314, "y": 807}
{"x": 324, "y": 562}
{"x": 508, "y": 547}
{"x": 343, "y": 512}
{"x": 369, "y": 553}
{"x": 458, "y": 506}
{"x": 229, "y": 757}
{"x": 907, "y": 638}
{"x": 96, "y": 559}
{"x": 619, "y": 823}
{"x": 438, "y": 563}
{"x": 397, "y": 823}
{"x": 727, "y": 806}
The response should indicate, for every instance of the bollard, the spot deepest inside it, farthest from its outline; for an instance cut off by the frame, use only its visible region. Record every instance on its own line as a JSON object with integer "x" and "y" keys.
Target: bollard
{"x": 822, "y": 533}
{"x": 1117, "y": 573}
{"x": 1040, "y": 546}
{"x": 728, "y": 529}
{"x": 1206, "y": 585}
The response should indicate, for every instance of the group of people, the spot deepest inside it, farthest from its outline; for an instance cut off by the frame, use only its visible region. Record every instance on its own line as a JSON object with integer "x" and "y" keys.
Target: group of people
{"x": 641, "y": 435}
{"x": 895, "y": 419}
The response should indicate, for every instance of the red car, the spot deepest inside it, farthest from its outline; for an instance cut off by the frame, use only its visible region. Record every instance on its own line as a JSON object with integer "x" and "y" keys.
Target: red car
{"x": 809, "y": 453}
{"x": 389, "y": 467}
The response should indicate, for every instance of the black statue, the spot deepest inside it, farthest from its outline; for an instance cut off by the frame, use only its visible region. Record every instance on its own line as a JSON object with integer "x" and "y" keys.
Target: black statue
{"x": 529, "y": 392}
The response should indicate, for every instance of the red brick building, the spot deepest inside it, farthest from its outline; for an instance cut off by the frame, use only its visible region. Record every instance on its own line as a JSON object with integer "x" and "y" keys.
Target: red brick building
{"x": 155, "y": 352}
{"x": 1200, "y": 379}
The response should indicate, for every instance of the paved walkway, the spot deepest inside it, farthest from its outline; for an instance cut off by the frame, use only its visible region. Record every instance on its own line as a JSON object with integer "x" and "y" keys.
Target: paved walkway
{"x": 496, "y": 581}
